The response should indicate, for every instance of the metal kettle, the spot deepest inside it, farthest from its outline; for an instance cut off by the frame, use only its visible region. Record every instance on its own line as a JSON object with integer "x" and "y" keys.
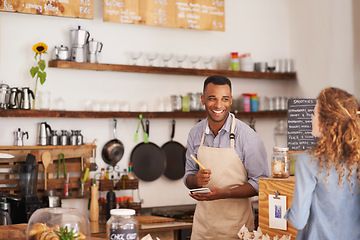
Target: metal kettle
{"x": 61, "y": 53}
{"x": 14, "y": 100}
{"x": 43, "y": 133}
{"x": 26, "y": 93}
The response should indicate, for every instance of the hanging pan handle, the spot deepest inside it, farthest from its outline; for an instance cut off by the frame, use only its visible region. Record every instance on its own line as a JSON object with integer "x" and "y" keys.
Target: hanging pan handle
{"x": 115, "y": 124}
{"x": 173, "y": 129}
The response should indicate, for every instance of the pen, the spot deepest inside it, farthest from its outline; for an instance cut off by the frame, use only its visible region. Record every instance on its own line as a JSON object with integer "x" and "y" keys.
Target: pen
{"x": 192, "y": 156}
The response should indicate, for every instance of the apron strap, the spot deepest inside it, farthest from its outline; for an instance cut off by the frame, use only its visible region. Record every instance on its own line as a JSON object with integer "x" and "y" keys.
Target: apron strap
{"x": 232, "y": 130}
{"x": 202, "y": 139}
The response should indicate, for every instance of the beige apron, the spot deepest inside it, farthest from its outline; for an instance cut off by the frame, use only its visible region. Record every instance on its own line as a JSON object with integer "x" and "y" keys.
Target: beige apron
{"x": 224, "y": 217}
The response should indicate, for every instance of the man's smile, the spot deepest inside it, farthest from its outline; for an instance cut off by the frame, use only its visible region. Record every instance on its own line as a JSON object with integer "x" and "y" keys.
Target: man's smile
{"x": 218, "y": 111}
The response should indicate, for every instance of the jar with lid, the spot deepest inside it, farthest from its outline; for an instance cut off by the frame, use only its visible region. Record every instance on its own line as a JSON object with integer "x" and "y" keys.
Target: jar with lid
{"x": 280, "y": 162}
{"x": 195, "y": 101}
{"x": 122, "y": 225}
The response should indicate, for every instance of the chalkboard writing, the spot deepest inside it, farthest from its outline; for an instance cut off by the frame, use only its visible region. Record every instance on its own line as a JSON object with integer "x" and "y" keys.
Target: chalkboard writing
{"x": 191, "y": 14}
{"x": 60, "y": 8}
{"x": 299, "y": 135}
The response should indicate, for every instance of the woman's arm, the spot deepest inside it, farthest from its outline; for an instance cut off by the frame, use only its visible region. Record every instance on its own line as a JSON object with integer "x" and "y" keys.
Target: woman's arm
{"x": 305, "y": 184}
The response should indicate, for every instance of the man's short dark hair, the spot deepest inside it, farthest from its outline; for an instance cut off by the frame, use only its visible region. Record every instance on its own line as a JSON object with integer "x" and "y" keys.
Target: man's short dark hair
{"x": 217, "y": 80}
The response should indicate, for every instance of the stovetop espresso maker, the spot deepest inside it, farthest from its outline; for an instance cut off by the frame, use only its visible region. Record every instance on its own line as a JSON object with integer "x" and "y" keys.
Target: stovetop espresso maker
{"x": 19, "y": 137}
{"x": 79, "y": 39}
{"x": 4, "y": 95}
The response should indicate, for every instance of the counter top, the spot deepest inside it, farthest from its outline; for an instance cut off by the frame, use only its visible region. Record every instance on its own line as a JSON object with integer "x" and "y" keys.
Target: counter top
{"x": 98, "y": 230}
{"x": 144, "y": 228}
{"x": 290, "y": 179}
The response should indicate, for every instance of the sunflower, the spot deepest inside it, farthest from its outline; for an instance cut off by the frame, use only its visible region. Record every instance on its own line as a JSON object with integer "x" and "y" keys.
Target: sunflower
{"x": 40, "y": 48}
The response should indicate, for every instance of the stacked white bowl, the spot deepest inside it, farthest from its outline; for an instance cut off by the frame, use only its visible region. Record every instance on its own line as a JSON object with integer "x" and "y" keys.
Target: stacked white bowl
{"x": 246, "y": 62}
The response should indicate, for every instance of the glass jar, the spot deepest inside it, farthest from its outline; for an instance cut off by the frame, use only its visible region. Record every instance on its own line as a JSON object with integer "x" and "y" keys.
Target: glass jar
{"x": 280, "y": 162}
{"x": 176, "y": 102}
{"x": 45, "y": 223}
{"x": 122, "y": 225}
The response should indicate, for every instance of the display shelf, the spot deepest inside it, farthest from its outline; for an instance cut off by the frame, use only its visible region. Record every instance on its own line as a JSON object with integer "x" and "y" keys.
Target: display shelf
{"x": 169, "y": 70}
{"x": 90, "y": 114}
{"x": 77, "y": 160}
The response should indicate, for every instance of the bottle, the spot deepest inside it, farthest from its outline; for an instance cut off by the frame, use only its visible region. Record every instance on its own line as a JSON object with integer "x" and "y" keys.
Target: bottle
{"x": 102, "y": 173}
{"x": 280, "y": 162}
{"x": 110, "y": 203}
{"x": 107, "y": 173}
{"x": 94, "y": 203}
{"x": 122, "y": 225}
{"x": 131, "y": 174}
{"x": 123, "y": 179}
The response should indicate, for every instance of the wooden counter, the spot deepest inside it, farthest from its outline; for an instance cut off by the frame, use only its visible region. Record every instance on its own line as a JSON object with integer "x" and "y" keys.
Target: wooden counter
{"x": 164, "y": 231}
{"x": 267, "y": 186}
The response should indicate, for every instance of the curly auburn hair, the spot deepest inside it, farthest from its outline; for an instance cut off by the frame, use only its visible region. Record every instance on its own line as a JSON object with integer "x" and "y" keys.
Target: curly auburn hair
{"x": 339, "y": 124}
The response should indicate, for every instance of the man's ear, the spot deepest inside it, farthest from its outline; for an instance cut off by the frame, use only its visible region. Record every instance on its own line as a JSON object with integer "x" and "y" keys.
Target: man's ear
{"x": 202, "y": 99}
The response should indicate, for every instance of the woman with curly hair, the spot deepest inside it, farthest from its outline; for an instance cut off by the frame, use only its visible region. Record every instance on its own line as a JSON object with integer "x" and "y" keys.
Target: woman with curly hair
{"x": 326, "y": 200}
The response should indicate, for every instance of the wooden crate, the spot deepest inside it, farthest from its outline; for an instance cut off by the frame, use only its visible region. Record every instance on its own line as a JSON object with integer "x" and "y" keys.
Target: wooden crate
{"x": 267, "y": 186}
{"x": 129, "y": 184}
{"x": 77, "y": 158}
{"x": 106, "y": 185}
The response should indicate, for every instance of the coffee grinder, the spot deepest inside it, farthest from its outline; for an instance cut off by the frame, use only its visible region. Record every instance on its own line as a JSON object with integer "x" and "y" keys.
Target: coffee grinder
{"x": 23, "y": 207}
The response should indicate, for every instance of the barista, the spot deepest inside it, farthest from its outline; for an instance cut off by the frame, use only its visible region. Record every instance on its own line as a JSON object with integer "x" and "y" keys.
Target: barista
{"x": 234, "y": 157}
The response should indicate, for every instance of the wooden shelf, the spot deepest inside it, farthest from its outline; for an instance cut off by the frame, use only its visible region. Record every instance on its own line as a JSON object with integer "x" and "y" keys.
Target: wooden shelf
{"x": 89, "y": 114}
{"x": 77, "y": 159}
{"x": 168, "y": 70}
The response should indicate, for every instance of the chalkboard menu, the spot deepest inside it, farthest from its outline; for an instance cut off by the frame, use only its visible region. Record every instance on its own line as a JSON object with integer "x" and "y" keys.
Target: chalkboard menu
{"x": 190, "y": 14}
{"x": 299, "y": 135}
{"x": 60, "y": 8}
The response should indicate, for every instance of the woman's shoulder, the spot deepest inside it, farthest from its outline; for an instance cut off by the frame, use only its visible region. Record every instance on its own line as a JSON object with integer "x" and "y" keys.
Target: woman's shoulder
{"x": 306, "y": 160}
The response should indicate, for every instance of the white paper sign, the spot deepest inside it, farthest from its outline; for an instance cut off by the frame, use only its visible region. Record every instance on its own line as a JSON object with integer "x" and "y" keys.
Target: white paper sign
{"x": 277, "y": 209}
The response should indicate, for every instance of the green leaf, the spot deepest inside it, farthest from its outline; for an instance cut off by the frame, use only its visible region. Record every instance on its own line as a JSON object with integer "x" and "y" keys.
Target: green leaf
{"x": 65, "y": 234}
{"x": 36, "y": 55}
{"x": 33, "y": 71}
{"x": 42, "y": 64}
{"x": 42, "y": 76}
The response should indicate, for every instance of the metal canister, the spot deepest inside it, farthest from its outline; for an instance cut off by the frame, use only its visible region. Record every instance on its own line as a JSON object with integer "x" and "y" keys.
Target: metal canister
{"x": 54, "y": 138}
{"x": 73, "y": 138}
{"x": 64, "y": 138}
{"x": 79, "y": 138}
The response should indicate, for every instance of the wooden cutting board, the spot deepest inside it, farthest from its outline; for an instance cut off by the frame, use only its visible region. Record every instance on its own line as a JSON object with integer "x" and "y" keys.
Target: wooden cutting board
{"x": 149, "y": 219}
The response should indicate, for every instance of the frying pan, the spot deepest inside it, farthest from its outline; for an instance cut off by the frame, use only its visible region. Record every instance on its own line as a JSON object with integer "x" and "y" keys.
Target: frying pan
{"x": 148, "y": 159}
{"x": 175, "y": 157}
{"x": 113, "y": 150}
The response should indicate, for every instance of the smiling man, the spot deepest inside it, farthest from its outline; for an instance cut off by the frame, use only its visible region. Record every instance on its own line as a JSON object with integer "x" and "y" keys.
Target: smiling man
{"x": 234, "y": 158}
